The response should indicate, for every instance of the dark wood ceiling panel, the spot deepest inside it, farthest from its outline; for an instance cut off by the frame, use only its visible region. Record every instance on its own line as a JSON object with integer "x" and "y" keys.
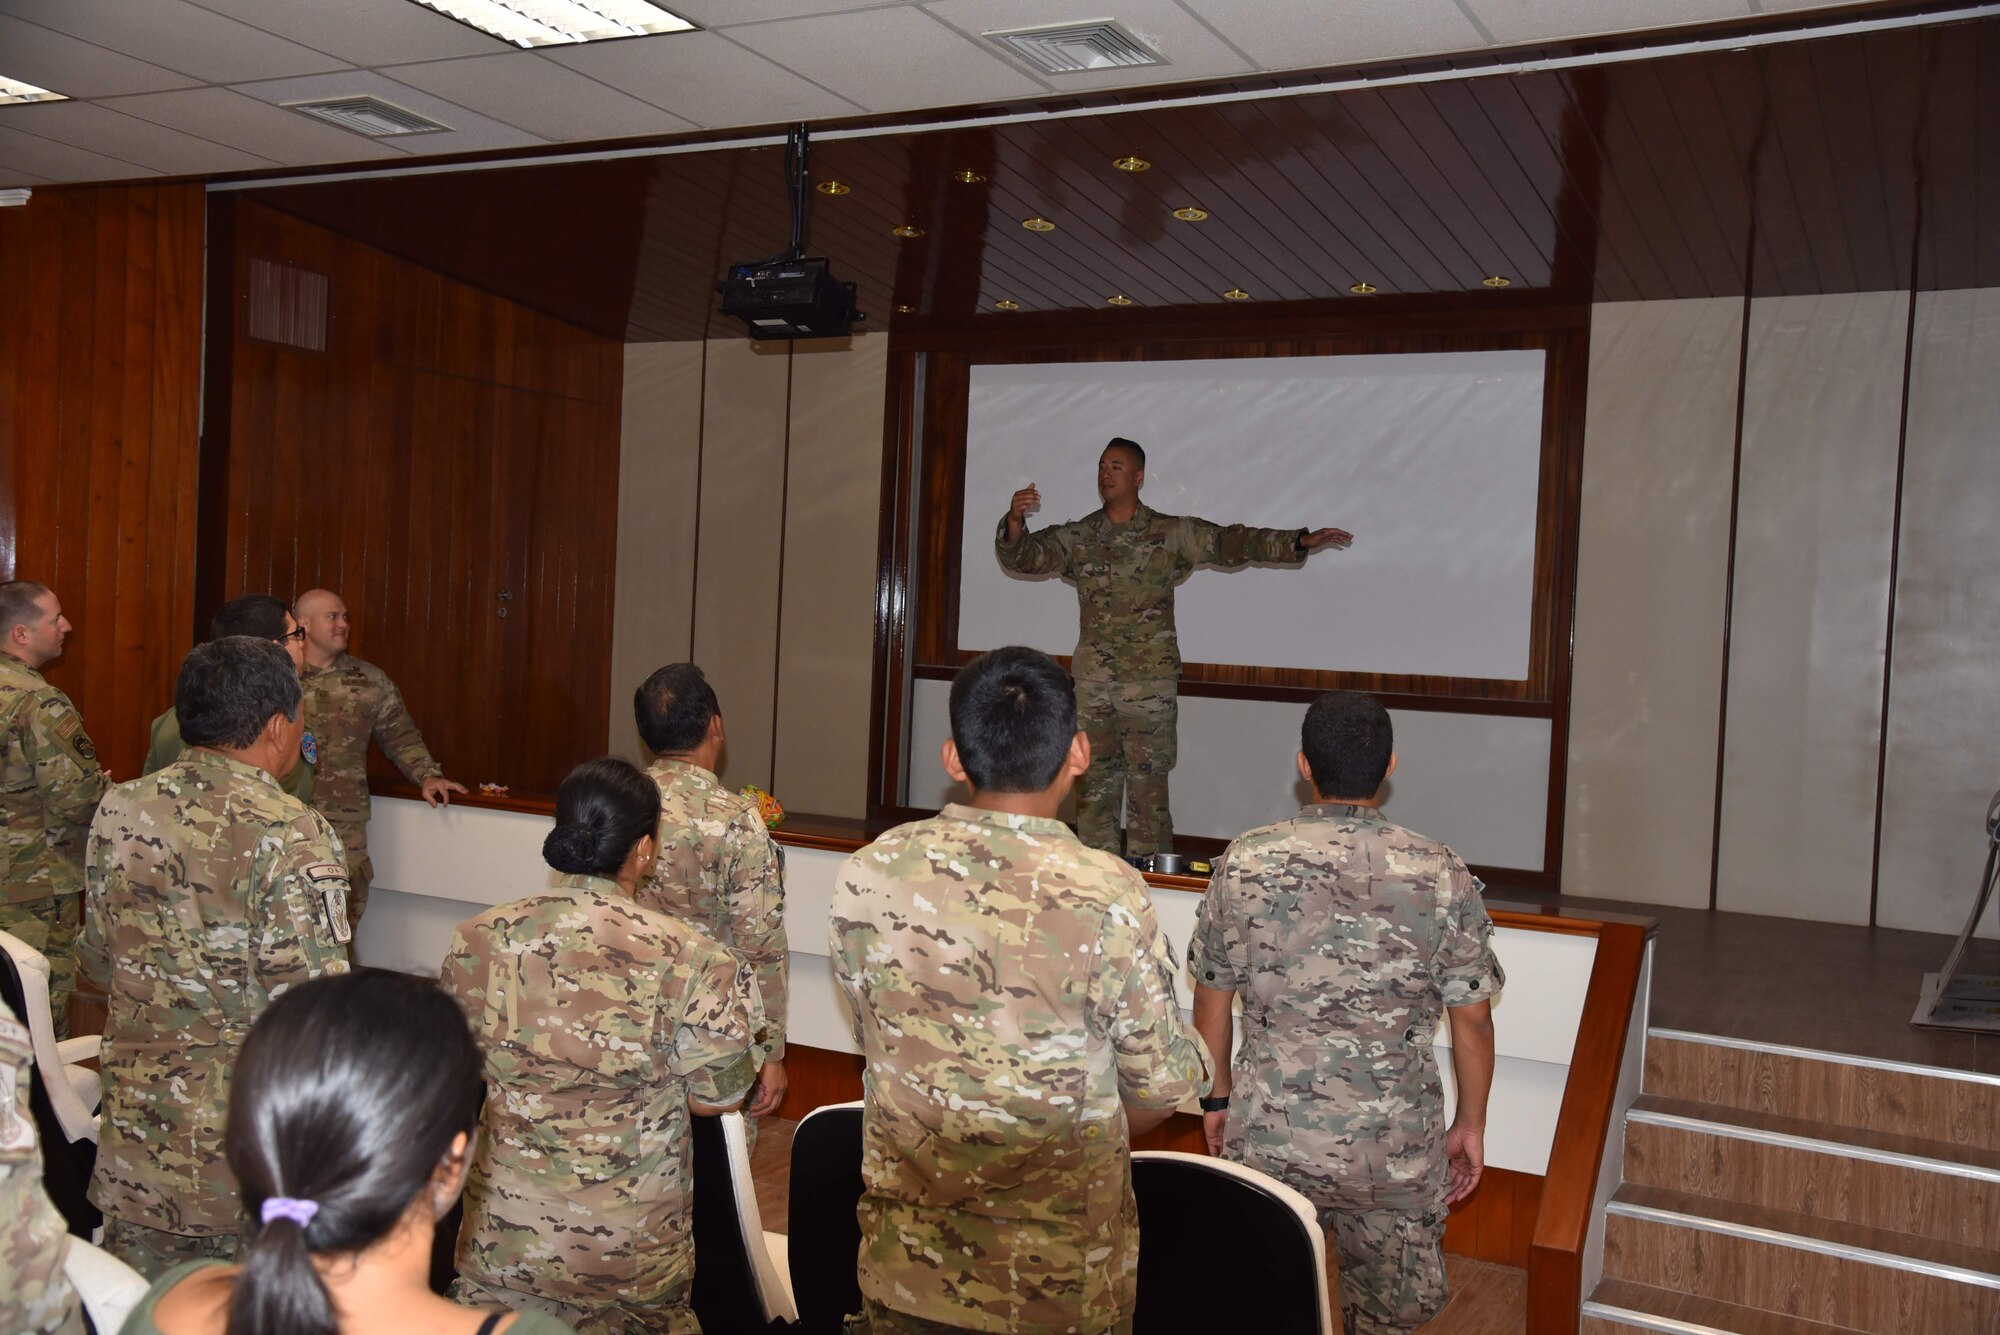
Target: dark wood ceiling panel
{"x": 1832, "y": 164}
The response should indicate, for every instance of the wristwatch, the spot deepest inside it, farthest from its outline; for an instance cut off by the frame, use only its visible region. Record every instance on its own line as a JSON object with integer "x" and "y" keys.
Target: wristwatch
{"x": 1215, "y": 1105}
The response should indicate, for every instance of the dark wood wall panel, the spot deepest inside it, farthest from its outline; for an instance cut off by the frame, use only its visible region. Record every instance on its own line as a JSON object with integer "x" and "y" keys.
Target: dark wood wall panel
{"x": 100, "y": 354}
{"x": 449, "y": 465}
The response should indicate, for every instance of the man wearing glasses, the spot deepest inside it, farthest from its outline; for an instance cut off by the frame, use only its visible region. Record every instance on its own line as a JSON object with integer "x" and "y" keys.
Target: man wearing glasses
{"x": 264, "y": 617}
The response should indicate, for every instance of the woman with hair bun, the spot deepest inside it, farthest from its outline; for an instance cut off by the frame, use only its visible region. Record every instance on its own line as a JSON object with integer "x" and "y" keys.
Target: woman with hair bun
{"x": 350, "y": 1110}
{"x": 604, "y": 1025}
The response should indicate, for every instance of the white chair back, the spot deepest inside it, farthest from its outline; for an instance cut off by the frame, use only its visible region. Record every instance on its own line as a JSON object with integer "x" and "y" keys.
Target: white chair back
{"x": 73, "y": 1089}
{"x": 774, "y": 1286}
{"x": 110, "y": 1289}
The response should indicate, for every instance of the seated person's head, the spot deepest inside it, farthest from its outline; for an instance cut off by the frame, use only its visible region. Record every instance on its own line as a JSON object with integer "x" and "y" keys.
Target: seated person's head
{"x": 607, "y": 821}
{"x": 1346, "y": 748}
{"x": 240, "y": 695}
{"x": 676, "y": 710}
{"x": 350, "y": 1113}
{"x": 1013, "y": 725}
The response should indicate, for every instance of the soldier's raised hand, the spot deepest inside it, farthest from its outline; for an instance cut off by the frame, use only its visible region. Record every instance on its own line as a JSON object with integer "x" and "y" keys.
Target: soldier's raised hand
{"x": 1026, "y": 501}
{"x": 1326, "y": 537}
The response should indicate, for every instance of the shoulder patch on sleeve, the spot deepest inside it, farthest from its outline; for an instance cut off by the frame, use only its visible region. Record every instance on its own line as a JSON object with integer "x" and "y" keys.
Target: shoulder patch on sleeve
{"x": 329, "y": 882}
{"x": 66, "y": 725}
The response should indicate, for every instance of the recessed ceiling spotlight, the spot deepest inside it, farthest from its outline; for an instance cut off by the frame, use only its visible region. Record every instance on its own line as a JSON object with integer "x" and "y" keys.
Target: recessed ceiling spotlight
{"x": 1363, "y": 289}
{"x": 967, "y": 176}
{"x": 1038, "y": 224}
{"x": 1118, "y": 299}
{"x": 559, "y": 22}
{"x": 906, "y": 310}
{"x": 13, "y": 91}
{"x": 1496, "y": 281}
{"x": 1189, "y": 213}
{"x": 834, "y": 188}
{"x": 907, "y": 232}
{"x": 1131, "y": 164}
{"x": 1236, "y": 294}
{"x": 1005, "y": 305}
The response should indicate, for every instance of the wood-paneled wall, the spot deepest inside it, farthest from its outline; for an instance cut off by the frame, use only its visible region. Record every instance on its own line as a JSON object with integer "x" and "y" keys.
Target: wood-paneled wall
{"x": 100, "y": 365}
{"x": 449, "y": 465}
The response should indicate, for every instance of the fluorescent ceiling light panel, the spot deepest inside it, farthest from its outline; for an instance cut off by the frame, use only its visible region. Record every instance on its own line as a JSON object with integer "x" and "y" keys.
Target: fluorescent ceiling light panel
{"x": 560, "y": 22}
{"x": 13, "y": 91}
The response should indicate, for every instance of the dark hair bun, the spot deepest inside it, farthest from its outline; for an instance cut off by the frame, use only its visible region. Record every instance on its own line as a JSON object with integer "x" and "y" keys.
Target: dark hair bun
{"x": 571, "y": 849}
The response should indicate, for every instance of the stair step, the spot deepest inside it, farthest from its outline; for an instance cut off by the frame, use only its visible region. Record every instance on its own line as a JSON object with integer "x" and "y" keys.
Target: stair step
{"x": 1906, "y": 1184}
{"x": 1892, "y": 1098}
{"x": 1842, "y": 1274}
{"x": 1618, "y": 1306}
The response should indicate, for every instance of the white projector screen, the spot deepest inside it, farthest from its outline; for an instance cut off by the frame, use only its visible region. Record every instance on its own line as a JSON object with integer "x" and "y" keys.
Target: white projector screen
{"x": 1432, "y": 461}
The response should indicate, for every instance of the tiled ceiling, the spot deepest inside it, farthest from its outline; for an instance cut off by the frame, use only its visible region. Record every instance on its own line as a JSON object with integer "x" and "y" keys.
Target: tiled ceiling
{"x": 197, "y": 87}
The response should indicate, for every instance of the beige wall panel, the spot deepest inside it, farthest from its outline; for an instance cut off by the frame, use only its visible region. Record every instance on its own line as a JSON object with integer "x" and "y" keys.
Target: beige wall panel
{"x": 1652, "y": 565}
{"x": 826, "y": 646}
{"x": 1944, "y": 692}
{"x": 652, "y": 617}
{"x": 736, "y": 582}
{"x": 1815, "y": 529}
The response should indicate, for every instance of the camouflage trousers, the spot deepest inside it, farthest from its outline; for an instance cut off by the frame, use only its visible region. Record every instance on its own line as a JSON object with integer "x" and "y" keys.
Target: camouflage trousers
{"x": 1391, "y": 1267}
{"x": 875, "y": 1319}
{"x": 1134, "y": 740}
{"x": 50, "y": 926}
{"x": 153, "y": 1252}
{"x": 667, "y": 1318}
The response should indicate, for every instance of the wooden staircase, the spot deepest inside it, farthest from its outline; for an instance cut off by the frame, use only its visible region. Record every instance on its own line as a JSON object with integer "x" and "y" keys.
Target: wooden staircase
{"x": 1774, "y": 1191}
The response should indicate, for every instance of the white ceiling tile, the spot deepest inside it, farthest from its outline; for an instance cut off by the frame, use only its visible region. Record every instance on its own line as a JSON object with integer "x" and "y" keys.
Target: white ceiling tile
{"x": 728, "y": 13}
{"x": 1302, "y": 34}
{"x": 1516, "y": 21}
{"x": 62, "y": 64}
{"x": 98, "y": 128}
{"x": 539, "y": 96}
{"x": 255, "y": 127}
{"x": 889, "y": 59}
{"x": 11, "y": 176}
{"x": 704, "y": 78}
{"x": 364, "y": 32}
{"x": 470, "y": 132}
{"x": 178, "y": 35}
{"x": 1191, "y": 49}
{"x": 62, "y": 162}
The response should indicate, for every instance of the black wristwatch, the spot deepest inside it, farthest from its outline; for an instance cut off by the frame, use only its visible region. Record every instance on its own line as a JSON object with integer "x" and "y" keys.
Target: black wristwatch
{"x": 1215, "y": 1105}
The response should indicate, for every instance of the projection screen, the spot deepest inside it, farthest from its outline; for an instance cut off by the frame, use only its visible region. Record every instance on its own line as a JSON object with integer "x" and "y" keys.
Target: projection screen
{"x": 1431, "y": 460}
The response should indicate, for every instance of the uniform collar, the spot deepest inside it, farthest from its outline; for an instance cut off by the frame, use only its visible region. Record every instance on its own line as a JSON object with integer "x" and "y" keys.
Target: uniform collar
{"x": 672, "y": 765}
{"x": 1142, "y": 515}
{"x": 1346, "y": 811}
{"x": 213, "y": 760}
{"x": 1007, "y": 820}
{"x": 339, "y": 661}
{"x": 603, "y": 885}
{"x": 8, "y": 661}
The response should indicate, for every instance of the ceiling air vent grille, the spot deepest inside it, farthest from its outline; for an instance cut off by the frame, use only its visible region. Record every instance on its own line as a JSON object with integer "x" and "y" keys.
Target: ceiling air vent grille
{"x": 367, "y": 115}
{"x": 1067, "y": 48}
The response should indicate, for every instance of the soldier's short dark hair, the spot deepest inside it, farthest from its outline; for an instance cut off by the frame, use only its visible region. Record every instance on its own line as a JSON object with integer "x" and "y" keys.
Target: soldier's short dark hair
{"x": 257, "y": 614}
{"x": 20, "y": 600}
{"x": 602, "y": 809}
{"x": 1347, "y": 740}
{"x": 231, "y": 687}
{"x": 1138, "y": 452}
{"x": 673, "y": 708}
{"x": 1013, "y": 715}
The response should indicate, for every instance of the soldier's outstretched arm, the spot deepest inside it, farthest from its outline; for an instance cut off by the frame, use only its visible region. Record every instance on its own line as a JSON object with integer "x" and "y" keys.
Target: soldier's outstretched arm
{"x": 1041, "y": 553}
{"x": 711, "y": 1038}
{"x": 1161, "y": 1062}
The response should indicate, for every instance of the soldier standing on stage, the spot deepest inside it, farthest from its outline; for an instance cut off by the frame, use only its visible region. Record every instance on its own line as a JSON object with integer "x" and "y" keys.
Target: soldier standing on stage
{"x": 210, "y": 891}
{"x": 349, "y": 701}
{"x": 1014, "y": 1000}
{"x": 1349, "y": 939}
{"x": 718, "y": 867}
{"x": 49, "y": 785}
{"x": 1125, "y": 561}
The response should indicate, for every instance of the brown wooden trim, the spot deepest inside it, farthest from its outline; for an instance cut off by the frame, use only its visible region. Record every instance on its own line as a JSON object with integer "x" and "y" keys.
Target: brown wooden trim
{"x": 1497, "y": 1221}
{"x": 1583, "y": 1127}
{"x": 1575, "y": 354}
{"x": 1444, "y": 316}
{"x": 784, "y": 507}
{"x": 1729, "y": 598}
{"x": 905, "y": 376}
{"x": 1304, "y": 694}
{"x": 816, "y": 1077}
{"x": 211, "y": 527}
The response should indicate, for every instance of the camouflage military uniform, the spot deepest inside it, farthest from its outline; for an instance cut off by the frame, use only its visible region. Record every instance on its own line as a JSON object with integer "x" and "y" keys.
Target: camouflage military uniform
{"x": 209, "y": 893}
{"x": 599, "y": 1019}
{"x": 166, "y": 747}
{"x": 1128, "y": 656}
{"x": 49, "y": 785}
{"x": 719, "y": 868}
{"x": 1347, "y": 937}
{"x": 347, "y": 702}
{"x": 35, "y": 1295}
{"x": 1009, "y": 986}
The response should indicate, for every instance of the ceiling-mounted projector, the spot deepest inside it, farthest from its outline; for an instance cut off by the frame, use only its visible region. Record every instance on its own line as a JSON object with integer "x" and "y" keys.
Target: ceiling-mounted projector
{"x": 791, "y": 295}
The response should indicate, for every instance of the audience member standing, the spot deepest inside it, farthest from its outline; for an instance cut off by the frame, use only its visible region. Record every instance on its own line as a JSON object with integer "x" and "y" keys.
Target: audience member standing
{"x": 349, "y": 701}
{"x": 49, "y": 786}
{"x": 262, "y": 617}
{"x": 718, "y": 866}
{"x": 604, "y": 1025}
{"x": 1349, "y": 939}
{"x": 210, "y": 891}
{"x": 1014, "y": 999}
{"x": 36, "y": 1297}
{"x": 350, "y": 1118}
